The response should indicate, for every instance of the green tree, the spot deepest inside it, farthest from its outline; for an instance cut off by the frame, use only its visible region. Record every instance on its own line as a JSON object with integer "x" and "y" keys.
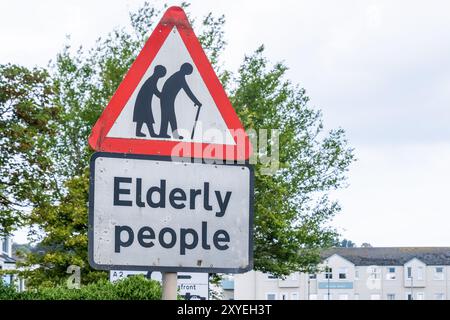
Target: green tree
{"x": 345, "y": 243}
{"x": 131, "y": 288}
{"x": 292, "y": 209}
{"x": 83, "y": 84}
{"x": 27, "y": 128}
{"x": 65, "y": 242}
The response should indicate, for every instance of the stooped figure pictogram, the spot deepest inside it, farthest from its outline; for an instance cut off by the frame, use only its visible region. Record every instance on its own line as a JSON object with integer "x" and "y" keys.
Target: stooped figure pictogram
{"x": 169, "y": 92}
{"x": 172, "y": 86}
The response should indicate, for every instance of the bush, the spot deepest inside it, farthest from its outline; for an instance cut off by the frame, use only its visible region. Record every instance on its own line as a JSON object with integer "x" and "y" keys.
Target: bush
{"x": 7, "y": 292}
{"x": 131, "y": 288}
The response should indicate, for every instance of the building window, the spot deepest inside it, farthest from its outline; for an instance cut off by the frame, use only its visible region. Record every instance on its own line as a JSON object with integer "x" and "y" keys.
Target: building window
{"x": 313, "y": 297}
{"x": 272, "y": 277}
{"x": 420, "y": 296}
{"x": 5, "y": 245}
{"x": 375, "y": 297}
{"x": 271, "y": 296}
{"x": 420, "y": 273}
{"x": 343, "y": 273}
{"x": 374, "y": 273}
{"x": 356, "y": 296}
{"x": 21, "y": 285}
{"x": 294, "y": 296}
{"x": 409, "y": 296}
{"x": 409, "y": 272}
{"x": 356, "y": 274}
{"x": 313, "y": 276}
{"x": 343, "y": 296}
{"x": 390, "y": 296}
{"x": 390, "y": 275}
{"x": 439, "y": 296}
{"x": 293, "y": 276}
{"x": 328, "y": 273}
{"x": 439, "y": 273}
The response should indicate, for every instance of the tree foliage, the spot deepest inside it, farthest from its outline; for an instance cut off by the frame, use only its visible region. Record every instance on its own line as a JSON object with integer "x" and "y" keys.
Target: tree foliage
{"x": 345, "y": 243}
{"x": 292, "y": 206}
{"x": 27, "y": 128}
{"x": 131, "y": 288}
{"x": 49, "y": 115}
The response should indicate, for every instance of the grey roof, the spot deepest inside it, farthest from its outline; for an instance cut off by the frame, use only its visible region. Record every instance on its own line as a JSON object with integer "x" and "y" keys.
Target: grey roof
{"x": 7, "y": 259}
{"x": 391, "y": 256}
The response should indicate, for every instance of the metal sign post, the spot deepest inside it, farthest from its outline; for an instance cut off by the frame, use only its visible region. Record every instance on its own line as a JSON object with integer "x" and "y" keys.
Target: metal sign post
{"x": 169, "y": 286}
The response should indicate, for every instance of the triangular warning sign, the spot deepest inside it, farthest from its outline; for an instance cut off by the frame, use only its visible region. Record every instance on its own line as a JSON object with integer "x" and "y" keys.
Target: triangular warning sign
{"x": 171, "y": 102}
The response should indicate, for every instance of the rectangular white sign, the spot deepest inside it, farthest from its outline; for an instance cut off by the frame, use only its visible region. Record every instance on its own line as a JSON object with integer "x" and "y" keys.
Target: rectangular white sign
{"x": 191, "y": 286}
{"x": 150, "y": 213}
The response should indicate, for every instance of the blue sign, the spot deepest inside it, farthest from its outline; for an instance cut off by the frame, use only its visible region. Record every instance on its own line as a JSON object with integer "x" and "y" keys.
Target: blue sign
{"x": 335, "y": 285}
{"x": 228, "y": 284}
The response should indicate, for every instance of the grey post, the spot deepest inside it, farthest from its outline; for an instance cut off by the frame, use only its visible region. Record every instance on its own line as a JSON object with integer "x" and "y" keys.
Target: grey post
{"x": 169, "y": 286}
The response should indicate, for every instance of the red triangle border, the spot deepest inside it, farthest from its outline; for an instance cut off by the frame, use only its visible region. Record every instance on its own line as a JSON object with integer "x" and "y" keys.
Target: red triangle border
{"x": 173, "y": 17}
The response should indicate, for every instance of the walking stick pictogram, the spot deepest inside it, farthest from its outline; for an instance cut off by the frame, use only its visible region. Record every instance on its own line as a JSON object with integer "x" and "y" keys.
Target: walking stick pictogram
{"x": 195, "y": 122}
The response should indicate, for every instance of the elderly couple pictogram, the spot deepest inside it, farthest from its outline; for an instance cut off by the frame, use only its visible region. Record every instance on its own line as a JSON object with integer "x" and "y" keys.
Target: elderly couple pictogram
{"x": 173, "y": 85}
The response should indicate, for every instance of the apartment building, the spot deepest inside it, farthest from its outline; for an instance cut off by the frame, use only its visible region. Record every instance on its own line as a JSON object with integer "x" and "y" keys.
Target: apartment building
{"x": 6, "y": 260}
{"x": 397, "y": 273}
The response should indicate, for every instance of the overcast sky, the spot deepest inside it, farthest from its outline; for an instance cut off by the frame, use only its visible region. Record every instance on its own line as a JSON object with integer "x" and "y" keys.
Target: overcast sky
{"x": 378, "y": 68}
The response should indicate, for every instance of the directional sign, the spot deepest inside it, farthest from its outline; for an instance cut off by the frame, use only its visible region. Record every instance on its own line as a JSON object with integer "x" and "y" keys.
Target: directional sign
{"x": 148, "y": 213}
{"x": 171, "y": 102}
{"x": 191, "y": 286}
{"x": 116, "y": 275}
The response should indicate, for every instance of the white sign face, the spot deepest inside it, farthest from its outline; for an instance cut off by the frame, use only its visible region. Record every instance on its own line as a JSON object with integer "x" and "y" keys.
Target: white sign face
{"x": 147, "y": 213}
{"x": 191, "y": 94}
{"x": 192, "y": 286}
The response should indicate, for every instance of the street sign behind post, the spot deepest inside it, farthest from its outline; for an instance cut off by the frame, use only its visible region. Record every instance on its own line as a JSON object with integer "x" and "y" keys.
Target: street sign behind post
{"x": 191, "y": 286}
{"x": 171, "y": 101}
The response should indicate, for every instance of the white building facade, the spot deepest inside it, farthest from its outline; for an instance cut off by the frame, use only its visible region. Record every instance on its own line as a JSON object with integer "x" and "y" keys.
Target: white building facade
{"x": 6, "y": 260}
{"x": 358, "y": 274}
